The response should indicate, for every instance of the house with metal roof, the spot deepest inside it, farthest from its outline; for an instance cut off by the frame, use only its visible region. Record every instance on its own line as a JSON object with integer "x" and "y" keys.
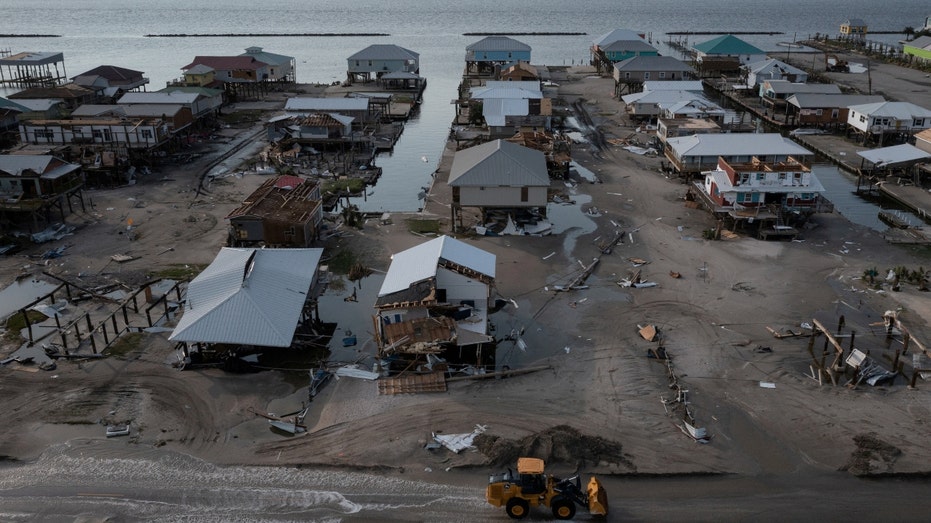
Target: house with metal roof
{"x": 70, "y": 95}
{"x": 435, "y": 300}
{"x": 31, "y": 69}
{"x": 35, "y": 185}
{"x": 109, "y": 133}
{"x": 9, "y": 114}
{"x": 483, "y": 57}
{"x": 632, "y": 73}
{"x": 647, "y": 105}
{"x": 619, "y": 45}
{"x": 499, "y": 175}
{"x": 824, "y": 110}
{"x": 773, "y": 93}
{"x": 250, "y": 297}
{"x": 724, "y": 55}
{"x": 199, "y": 101}
{"x": 728, "y": 46}
{"x": 111, "y": 80}
{"x": 377, "y": 60}
{"x": 693, "y": 154}
{"x": 918, "y": 50}
{"x": 281, "y": 68}
{"x": 876, "y": 120}
{"x": 773, "y": 69}
{"x": 508, "y": 106}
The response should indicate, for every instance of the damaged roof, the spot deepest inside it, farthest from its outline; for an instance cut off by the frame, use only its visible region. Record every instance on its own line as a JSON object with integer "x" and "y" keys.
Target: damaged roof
{"x": 420, "y": 263}
{"x": 248, "y": 297}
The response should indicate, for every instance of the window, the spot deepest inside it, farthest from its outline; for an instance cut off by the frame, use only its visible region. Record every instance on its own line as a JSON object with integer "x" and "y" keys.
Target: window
{"x": 662, "y": 76}
{"x": 97, "y": 134}
{"x": 760, "y": 177}
{"x": 782, "y": 176}
{"x": 357, "y": 63}
{"x": 819, "y": 112}
{"x": 862, "y": 118}
{"x": 524, "y": 194}
{"x": 835, "y": 113}
{"x": 48, "y": 134}
{"x": 370, "y": 63}
{"x": 627, "y": 75}
{"x": 744, "y": 177}
{"x": 147, "y": 134}
{"x": 919, "y": 122}
{"x": 646, "y": 76}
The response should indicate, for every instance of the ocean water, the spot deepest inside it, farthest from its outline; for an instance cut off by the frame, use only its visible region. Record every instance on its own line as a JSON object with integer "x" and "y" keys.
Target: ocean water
{"x": 96, "y": 32}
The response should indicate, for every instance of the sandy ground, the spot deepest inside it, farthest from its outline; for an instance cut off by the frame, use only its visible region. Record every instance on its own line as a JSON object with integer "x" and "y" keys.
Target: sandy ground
{"x": 713, "y": 320}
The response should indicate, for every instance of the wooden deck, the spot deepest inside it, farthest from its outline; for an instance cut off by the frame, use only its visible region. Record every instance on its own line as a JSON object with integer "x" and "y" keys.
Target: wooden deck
{"x": 412, "y": 384}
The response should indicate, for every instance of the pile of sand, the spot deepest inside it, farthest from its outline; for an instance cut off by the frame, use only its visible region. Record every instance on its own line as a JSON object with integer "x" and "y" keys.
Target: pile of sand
{"x": 559, "y": 445}
{"x": 872, "y": 456}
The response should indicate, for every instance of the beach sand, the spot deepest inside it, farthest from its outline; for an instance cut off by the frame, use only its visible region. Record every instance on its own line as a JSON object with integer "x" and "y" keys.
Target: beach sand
{"x": 713, "y": 322}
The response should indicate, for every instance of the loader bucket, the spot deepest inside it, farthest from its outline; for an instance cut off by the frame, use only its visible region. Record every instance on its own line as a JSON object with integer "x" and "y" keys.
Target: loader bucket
{"x": 597, "y": 498}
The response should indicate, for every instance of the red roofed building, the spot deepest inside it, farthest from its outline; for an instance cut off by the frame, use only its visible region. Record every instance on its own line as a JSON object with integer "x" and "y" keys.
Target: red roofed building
{"x": 233, "y": 69}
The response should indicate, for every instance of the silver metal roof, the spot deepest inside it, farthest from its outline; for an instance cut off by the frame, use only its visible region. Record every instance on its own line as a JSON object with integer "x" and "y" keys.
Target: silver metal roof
{"x": 513, "y": 93}
{"x": 248, "y": 296}
{"x": 385, "y": 52}
{"x": 822, "y": 101}
{"x": 327, "y": 104}
{"x": 785, "y": 86}
{"x": 498, "y": 43}
{"x": 41, "y": 164}
{"x": 172, "y": 97}
{"x": 420, "y": 262}
{"x": 735, "y": 144}
{"x": 616, "y": 35}
{"x": 895, "y": 154}
{"x": 652, "y": 63}
{"x": 499, "y": 163}
{"x": 897, "y": 110}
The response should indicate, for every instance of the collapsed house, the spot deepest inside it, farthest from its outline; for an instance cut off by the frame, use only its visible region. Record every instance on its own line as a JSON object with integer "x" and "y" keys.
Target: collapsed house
{"x": 435, "y": 300}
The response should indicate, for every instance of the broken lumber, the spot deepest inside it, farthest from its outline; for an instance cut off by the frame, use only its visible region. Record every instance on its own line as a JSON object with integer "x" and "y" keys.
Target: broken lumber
{"x": 503, "y": 373}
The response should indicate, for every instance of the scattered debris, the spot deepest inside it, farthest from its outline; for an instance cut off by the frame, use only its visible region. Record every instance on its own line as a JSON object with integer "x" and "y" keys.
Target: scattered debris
{"x": 121, "y": 258}
{"x": 649, "y": 333}
{"x": 699, "y": 434}
{"x": 636, "y": 282}
{"x": 787, "y": 333}
{"x": 117, "y": 430}
{"x": 637, "y": 262}
{"x": 459, "y": 442}
{"x": 353, "y": 371}
{"x": 767, "y": 385}
{"x": 675, "y": 275}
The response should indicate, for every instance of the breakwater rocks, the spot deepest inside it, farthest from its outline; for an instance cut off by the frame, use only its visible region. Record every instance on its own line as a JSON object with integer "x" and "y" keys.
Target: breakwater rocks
{"x": 251, "y": 35}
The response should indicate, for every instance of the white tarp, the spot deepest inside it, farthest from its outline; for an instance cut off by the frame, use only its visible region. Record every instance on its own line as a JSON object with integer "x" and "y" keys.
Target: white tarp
{"x": 458, "y": 442}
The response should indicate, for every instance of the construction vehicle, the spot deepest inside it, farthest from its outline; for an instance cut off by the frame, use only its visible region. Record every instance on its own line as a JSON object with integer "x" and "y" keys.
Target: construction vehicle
{"x": 833, "y": 64}
{"x": 530, "y": 487}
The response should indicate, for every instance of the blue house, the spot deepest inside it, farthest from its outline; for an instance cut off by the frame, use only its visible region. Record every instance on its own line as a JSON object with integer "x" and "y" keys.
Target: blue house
{"x": 377, "y": 60}
{"x": 490, "y": 52}
{"x": 621, "y": 44}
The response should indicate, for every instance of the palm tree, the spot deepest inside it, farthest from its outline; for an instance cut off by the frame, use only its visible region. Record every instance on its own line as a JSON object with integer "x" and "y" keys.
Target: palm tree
{"x": 909, "y": 33}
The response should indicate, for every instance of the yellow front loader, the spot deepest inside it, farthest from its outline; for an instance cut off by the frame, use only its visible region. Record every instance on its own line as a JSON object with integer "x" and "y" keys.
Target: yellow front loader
{"x": 531, "y": 487}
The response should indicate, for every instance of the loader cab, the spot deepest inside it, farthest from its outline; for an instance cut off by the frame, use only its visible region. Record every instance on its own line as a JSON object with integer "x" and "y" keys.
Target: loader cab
{"x": 531, "y": 477}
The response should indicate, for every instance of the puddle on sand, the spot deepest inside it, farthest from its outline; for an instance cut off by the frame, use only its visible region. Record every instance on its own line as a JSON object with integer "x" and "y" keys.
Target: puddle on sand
{"x": 569, "y": 220}
{"x": 21, "y": 293}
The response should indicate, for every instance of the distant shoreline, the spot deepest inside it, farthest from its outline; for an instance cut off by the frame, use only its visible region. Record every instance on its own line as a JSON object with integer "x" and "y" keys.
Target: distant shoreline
{"x": 29, "y": 36}
{"x": 226, "y": 35}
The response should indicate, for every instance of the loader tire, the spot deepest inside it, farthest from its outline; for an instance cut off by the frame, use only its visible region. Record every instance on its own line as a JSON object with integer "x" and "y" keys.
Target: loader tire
{"x": 517, "y": 508}
{"x": 563, "y": 508}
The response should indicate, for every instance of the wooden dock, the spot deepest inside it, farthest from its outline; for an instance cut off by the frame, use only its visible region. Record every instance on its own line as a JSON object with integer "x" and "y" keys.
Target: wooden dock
{"x": 916, "y": 199}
